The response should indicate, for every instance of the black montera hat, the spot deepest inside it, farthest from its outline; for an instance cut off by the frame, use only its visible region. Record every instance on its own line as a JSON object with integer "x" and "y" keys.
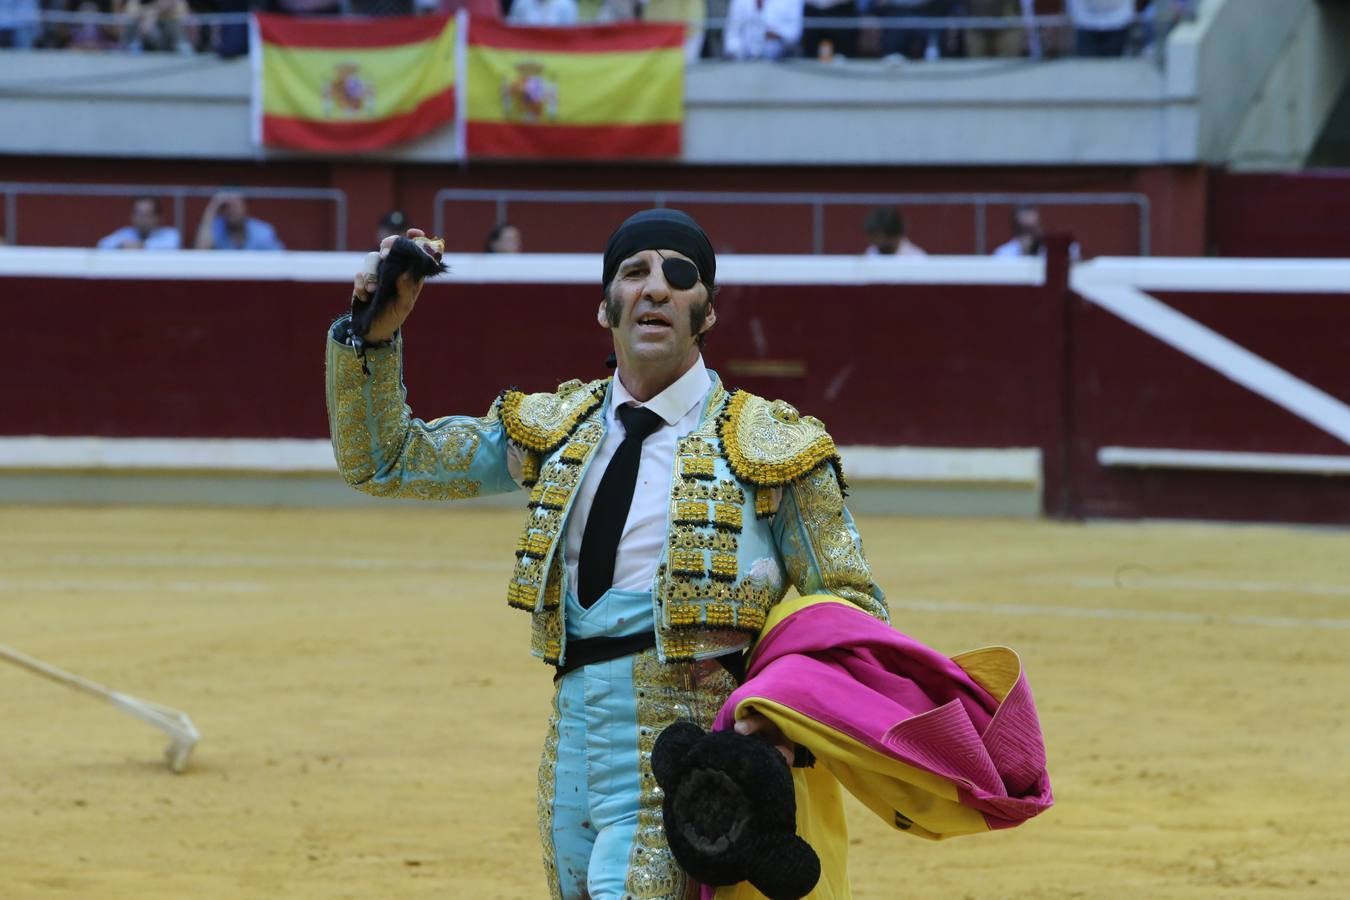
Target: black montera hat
{"x": 660, "y": 229}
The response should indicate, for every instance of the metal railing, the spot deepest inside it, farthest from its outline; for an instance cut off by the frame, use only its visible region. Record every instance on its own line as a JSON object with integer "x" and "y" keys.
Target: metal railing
{"x": 1162, "y": 17}
{"x": 979, "y": 202}
{"x": 12, "y": 191}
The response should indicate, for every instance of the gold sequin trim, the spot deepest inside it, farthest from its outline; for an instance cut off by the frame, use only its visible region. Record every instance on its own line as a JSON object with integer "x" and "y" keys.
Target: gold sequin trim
{"x": 534, "y": 544}
{"x": 549, "y": 496}
{"x": 691, "y": 512}
{"x": 541, "y": 422}
{"x": 686, "y": 562}
{"x": 763, "y": 503}
{"x": 576, "y": 452}
{"x": 727, "y": 517}
{"x": 697, "y": 467}
{"x": 529, "y": 469}
{"x": 666, "y": 694}
{"x": 548, "y": 765}
{"x": 724, "y": 567}
{"x": 770, "y": 443}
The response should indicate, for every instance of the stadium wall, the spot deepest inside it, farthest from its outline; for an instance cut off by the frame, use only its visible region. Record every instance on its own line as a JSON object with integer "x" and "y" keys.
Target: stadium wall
{"x": 1176, "y": 196}
{"x": 1126, "y": 388}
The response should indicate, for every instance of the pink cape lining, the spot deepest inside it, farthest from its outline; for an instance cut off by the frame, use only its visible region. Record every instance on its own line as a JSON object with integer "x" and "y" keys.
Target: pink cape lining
{"x": 856, "y": 675}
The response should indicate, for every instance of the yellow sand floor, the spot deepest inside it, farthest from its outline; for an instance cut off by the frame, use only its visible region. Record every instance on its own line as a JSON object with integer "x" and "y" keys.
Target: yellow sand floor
{"x": 371, "y": 718}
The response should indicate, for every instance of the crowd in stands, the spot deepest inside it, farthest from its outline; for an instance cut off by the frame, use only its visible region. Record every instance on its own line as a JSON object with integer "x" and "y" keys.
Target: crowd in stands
{"x": 226, "y": 225}
{"x": 731, "y": 29}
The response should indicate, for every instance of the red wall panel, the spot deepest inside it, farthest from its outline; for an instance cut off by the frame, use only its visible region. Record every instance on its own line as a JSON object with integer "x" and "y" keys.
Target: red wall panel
{"x": 1130, "y": 389}
{"x": 880, "y": 364}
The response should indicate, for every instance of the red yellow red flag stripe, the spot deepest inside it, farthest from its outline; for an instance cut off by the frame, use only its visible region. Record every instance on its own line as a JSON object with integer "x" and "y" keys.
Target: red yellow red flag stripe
{"x": 351, "y": 85}
{"x": 600, "y": 92}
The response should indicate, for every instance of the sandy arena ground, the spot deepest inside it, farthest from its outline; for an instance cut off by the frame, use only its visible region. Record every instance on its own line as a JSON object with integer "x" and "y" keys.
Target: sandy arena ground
{"x": 371, "y": 718}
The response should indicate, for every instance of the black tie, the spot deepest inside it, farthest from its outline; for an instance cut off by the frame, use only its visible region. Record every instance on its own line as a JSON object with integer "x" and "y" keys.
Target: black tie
{"x": 609, "y": 510}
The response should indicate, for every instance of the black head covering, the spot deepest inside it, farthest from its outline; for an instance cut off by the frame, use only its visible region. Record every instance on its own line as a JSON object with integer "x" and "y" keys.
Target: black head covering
{"x": 660, "y": 229}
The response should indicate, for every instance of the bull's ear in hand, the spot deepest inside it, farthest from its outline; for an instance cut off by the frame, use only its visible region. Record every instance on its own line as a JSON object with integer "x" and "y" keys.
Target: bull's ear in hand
{"x": 419, "y": 257}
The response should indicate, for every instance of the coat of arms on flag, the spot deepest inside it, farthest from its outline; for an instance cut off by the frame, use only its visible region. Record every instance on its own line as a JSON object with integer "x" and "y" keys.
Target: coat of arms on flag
{"x": 351, "y": 84}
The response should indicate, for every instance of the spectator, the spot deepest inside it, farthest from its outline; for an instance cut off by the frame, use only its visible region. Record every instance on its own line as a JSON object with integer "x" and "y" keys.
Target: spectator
{"x": 762, "y": 29}
{"x": 230, "y": 40}
{"x": 505, "y": 238}
{"x": 825, "y": 42}
{"x": 914, "y": 43}
{"x": 1010, "y": 41}
{"x": 226, "y": 225}
{"x": 145, "y": 231}
{"x": 18, "y": 24}
{"x": 1101, "y": 27}
{"x": 543, "y": 12}
{"x": 885, "y": 230}
{"x": 1029, "y": 235}
{"x": 89, "y": 35}
{"x": 158, "y": 26}
{"x": 612, "y": 11}
{"x": 394, "y": 222}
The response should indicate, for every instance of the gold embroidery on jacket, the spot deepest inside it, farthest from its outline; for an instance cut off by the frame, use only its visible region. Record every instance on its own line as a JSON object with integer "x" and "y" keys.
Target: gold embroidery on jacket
{"x": 770, "y": 443}
{"x": 843, "y": 569}
{"x": 541, "y": 422}
{"x": 666, "y": 694}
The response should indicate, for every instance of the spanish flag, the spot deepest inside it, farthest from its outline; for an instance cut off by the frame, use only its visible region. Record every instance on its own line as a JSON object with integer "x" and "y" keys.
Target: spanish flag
{"x": 594, "y": 92}
{"x": 351, "y": 85}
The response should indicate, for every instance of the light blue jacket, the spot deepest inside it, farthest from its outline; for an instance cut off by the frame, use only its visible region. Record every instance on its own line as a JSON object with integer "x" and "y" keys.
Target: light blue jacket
{"x": 756, "y": 500}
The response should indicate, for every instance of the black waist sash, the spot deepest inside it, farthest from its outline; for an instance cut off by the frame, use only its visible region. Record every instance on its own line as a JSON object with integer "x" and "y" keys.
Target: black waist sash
{"x": 589, "y": 651}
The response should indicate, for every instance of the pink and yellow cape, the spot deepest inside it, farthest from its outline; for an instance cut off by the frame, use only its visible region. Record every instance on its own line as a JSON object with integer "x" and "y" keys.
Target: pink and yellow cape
{"x": 936, "y": 746}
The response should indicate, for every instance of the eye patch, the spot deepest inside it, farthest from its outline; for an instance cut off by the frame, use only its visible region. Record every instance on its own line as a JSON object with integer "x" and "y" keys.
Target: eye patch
{"x": 681, "y": 274}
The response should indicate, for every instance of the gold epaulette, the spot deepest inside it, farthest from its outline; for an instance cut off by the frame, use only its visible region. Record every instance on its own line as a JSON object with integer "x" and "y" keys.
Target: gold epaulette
{"x": 768, "y": 443}
{"x": 541, "y": 422}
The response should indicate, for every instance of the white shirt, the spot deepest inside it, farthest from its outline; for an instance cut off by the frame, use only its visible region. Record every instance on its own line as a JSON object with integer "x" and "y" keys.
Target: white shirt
{"x": 680, "y": 407}
{"x": 751, "y": 22}
{"x": 1013, "y": 248}
{"x": 163, "y": 238}
{"x": 906, "y": 248}
{"x": 543, "y": 12}
{"x": 1101, "y": 15}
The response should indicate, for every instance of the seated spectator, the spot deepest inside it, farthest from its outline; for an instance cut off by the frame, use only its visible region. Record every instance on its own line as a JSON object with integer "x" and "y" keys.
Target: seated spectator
{"x": 1029, "y": 235}
{"x": 612, "y": 11}
{"x": 89, "y": 35}
{"x": 19, "y": 26}
{"x": 158, "y": 26}
{"x": 145, "y": 231}
{"x": 226, "y": 225}
{"x": 885, "y": 230}
{"x": 230, "y": 40}
{"x": 762, "y": 29}
{"x": 1010, "y": 41}
{"x": 837, "y": 40}
{"x": 914, "y": 43}
{"x": 1101, "y": 27}
{"x": 394, "y": 222}
{"x": 543, "y": 12}
{"x": 505, "y": 238}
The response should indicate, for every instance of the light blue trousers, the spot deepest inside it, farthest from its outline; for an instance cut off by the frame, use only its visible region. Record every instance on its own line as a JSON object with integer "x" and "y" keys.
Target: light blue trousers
{"x": 599, "y": 806}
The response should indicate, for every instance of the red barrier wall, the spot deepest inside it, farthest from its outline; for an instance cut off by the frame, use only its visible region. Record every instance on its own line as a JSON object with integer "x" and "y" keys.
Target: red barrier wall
{"x": 881, "y": 364}
{"x": 927, "y": 365}
{"x": 1130, "y": 389}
